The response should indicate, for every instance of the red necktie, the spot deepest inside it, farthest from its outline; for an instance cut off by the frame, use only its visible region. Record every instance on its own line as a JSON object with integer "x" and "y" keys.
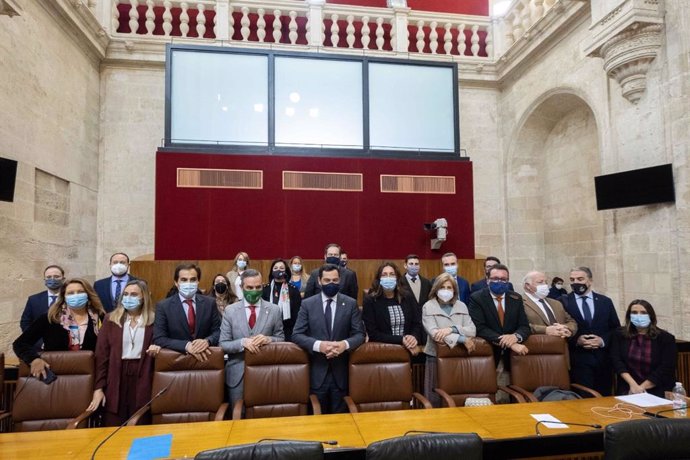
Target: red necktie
{"x": 501, "y": 313}
{"x": 191, "y": 316}
{"x": 252, "y": 316}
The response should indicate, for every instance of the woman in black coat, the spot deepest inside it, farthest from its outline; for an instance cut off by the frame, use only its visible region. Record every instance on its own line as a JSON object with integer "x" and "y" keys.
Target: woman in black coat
{"x": 390, "y": 312}
{"x": 643, "y": 356}
{"x": 280, "y": 292}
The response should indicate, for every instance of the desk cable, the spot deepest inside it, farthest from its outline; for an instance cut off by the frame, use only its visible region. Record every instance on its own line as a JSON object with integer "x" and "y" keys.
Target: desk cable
{"x": 620, "y": 411}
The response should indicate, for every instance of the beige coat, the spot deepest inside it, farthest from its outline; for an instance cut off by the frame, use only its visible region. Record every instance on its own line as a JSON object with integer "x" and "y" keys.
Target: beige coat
{"x": 434, "y": 318}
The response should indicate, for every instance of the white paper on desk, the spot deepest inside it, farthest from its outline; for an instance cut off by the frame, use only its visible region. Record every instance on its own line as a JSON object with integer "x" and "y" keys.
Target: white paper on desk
{"x": 644, "y": 400}
{"x": 546, "y": 418}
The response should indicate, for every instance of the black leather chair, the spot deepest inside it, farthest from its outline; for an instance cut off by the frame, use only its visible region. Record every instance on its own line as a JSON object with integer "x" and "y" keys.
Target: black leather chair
{"x": 275, "y": 450}
{"x": 653, "y": 439}
{"x": 437, "y": 446}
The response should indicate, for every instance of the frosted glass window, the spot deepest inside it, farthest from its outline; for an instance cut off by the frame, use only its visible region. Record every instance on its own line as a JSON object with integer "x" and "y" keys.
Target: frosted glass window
{"x": 411, "y": 108}
{"x": 219, "y": 98}
{"x": 318, "y": 103}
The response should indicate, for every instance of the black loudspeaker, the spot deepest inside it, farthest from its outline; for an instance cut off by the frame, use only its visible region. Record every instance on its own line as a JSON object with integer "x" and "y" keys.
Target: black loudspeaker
{"x": 8, "y": 177}
{"x": 635, "y": 188}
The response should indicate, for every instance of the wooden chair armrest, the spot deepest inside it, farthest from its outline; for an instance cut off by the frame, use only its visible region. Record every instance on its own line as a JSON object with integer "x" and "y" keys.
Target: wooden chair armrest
{"x": 315, "y": 404}
{"x": 584, "y": 389}
{"x": 513, "y": 394}
{"x": 237, "y": 409}
{"x": 528, "y": 395}
{"x": 222, "y": 410}
{"x": 446, "y": 397}
{"x": 138, "y": 414}
{"x": 74, "y": 423}
{"x": 425, "y": 402}
{"x": 5, "y": 422}
{"x": 351, "y": 406}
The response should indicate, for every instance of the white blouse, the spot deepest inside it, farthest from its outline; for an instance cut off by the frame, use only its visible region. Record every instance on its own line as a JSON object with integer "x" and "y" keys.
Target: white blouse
{"x": 132, "y": 339}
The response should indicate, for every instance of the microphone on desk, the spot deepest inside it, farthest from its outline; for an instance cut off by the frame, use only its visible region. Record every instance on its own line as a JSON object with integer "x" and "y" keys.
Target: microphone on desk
{"x": 541, "y": 422}
{"x": 329, "y": 442}
{"x": 156, "y": 396}
{"x": 656, "y": 414}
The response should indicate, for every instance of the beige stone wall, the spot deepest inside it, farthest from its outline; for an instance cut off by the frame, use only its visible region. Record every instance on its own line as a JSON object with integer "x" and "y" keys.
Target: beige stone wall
{"x": 49, "y": 102}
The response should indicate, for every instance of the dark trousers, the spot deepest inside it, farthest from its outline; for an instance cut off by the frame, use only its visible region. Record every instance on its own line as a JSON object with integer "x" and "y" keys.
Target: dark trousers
{"x": 330, "y": 396}
{"x": 127, "y": 404}
{"x": 592, "y": 369}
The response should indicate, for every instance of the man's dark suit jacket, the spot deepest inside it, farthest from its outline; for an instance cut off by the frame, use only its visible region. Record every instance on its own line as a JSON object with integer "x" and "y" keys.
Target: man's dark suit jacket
{"x": 482, "y": 283}
{"x": 485, "y": 318}
{"x": 377, "y": 320}
{"x": 348, "y": 283}
{"x": 102, "y": 288}
{"x": 171, "y": 330}
{"x": 311, "y": 326}
{"x": 36, "y": 305}
{"x": 424, "y": 289}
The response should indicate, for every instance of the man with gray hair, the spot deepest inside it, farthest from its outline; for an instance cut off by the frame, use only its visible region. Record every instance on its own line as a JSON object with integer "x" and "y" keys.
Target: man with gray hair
{"x": 596, "y": 319}
{"x": 545, "y": 316}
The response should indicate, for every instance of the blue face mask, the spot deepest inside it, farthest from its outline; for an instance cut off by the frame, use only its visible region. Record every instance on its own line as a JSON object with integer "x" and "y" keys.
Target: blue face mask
{"x": 498, "y": 287}
{"x": 413, "y": 270}
{"x": 188, "y": 289}
{"x": 388, "y": 283}
{"x": 296, "y": 268}
{"x": 53, "y": 284}
{"x": 241, "y": 264}
{"x": 131, "y": 302}
{"x": 330, "y": 289}
{"x": 77, "y": 301}
{"x": 640, "y": 320}
{"x": 452, "y": 270}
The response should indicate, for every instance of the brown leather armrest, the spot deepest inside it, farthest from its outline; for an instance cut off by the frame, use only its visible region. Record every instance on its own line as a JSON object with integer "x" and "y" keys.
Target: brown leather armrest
{"x": 74, "y": 423}
{"x": 584, "y": 389}
{"x": 220, "y": 414}
{"x": 237, "y": 409}
{"x": 446, "y": 397}
{"x": 138, "y": 414}
{"x": 527, "y": 395}
{"x": 425, "y": 402}
{"x": 351, "y": 406}
{"x": 512, "y": 393}
{"x": 315, "y": 404}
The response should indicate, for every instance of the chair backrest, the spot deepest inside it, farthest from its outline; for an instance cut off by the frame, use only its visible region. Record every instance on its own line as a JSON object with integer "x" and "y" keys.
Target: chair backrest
{"x": 276, "y": 381}
{"x": 380, "y": 377}
{"x": 279, "y": 450}
{"x": 196, "y": 388}
{"x": 546, "y": 364}
{"x": 464, "y": 375}
{"x": 650, "y": 439}
{"x": 39, "y": 407}
{"x": 437, "y": 446}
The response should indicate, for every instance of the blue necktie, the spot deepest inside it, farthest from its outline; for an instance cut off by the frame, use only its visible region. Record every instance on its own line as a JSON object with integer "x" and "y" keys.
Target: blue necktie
{"x": 329, "y": 317}
{"x": 586, "y": 311}
{"x": 118, "y": 291}
{"x": 52, "y": 300}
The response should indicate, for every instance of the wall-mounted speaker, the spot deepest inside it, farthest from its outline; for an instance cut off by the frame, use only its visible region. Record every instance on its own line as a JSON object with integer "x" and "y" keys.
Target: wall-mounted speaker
{"x": 8, "y": 177}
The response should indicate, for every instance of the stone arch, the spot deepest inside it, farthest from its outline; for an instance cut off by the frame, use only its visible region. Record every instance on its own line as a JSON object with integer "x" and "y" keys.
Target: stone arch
{"x": 551, "y": 217}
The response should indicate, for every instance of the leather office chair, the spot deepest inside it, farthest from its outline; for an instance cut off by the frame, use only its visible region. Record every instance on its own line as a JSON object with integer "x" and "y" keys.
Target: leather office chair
{"x": 61, "y": 404}
{"x": 5, "y": 421}
{"x": 276, "y": 383}
{"x": 546, "y": 364}
{"x": 462, "y": 375}
{"x": 652, "y": 439}
{"x": 279, "y": 450}
{"x": 196, "y": 389}
{"x": 381, "y": 379}
{"x": 437, "y": 446}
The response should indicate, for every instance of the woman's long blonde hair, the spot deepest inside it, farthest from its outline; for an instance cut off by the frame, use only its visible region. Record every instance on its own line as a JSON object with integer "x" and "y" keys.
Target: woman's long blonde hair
{"x": 148, "y": 312}
{"x": 94, "y": 303}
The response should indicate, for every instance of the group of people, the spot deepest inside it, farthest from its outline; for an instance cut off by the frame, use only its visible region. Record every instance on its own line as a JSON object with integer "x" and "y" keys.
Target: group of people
{"x": 242, "y": 311}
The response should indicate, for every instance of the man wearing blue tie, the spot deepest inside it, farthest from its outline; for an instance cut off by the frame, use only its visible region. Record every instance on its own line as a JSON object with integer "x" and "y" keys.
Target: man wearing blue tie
{"x": 37, "y": 304}
{"x": 109, "y": 289}
{"x": 596, "y": 319}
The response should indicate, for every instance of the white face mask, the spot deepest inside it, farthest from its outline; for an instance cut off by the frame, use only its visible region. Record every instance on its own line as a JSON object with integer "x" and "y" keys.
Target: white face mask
{"x": 542, "y": 291}
{"x": 118, "y": 269}
{"x": 445, "y": 294}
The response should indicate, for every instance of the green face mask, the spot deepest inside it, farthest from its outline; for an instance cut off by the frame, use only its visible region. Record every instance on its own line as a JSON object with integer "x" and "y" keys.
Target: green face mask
{"x": 251, "y": 296}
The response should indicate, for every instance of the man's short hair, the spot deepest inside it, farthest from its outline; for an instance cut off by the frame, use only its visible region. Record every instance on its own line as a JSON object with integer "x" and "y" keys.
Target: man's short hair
{"x": 119, "y": 254}
{"x": 333, "y": 245}
{"x": 327, "y": 268}
{"x": 495, "y": 259}
{"x": 248, "y": 273}
{"x": 583, "y": 269}
{"x": 54, "y": 266}
{"x": 411, "y": 256}
{"x": 497, "y": 267}
{"x": 449, "y": 254}
{"x": 187, "y": 266}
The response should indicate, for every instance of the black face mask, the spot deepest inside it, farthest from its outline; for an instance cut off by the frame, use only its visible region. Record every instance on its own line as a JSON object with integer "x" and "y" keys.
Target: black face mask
{"x": 333, "y": 260}
{"x": 279, "y": 274}
{"x": 220, "y": 288}
{"x": 579, "y": 288}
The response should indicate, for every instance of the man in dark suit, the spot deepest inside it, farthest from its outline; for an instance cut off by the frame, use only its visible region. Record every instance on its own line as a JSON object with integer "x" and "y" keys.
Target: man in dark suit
{"x": 109, "y": 289}
{"x": 187, "y": 322}
{"x": 328, "y": 326}
{"x": 417, "y": 284}
{"x": 348, "y": 278}
{"x": 37, "y": 304}
{"x": 481, "y": 284}
{"x": 596, "y": 319}
{"x": 449, "y": 262}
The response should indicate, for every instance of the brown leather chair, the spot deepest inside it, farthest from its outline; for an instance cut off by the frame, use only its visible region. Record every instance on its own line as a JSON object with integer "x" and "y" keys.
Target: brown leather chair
{"x": 5, "y": 421}
{"x": 276, "y": 383}
{"x": 381, "y": 379}
{"x": 61, "y": 404}
{"x": 195, "y": 389}
{"x": 462, "y": 375}
{"x": 546, "y": 364}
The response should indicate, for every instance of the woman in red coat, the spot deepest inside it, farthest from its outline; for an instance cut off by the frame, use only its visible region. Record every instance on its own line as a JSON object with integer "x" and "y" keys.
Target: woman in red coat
{"x": 124, "y": 355}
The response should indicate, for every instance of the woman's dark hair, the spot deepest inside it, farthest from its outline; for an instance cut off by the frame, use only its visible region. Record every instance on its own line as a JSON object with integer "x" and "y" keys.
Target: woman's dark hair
{"x": 376, "y": 291}
{"x": 288, "y": 272}
{"x": 556, "y": 280}
{"x": 229, "y": 295}
{"x": 630, "y": 331}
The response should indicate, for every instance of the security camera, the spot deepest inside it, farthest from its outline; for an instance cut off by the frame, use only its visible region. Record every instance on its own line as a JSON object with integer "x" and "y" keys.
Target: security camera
{"x": 441, "y": 227}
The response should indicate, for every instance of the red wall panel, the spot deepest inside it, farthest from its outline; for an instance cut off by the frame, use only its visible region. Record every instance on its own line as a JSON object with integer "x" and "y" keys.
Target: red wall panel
{"x": 477, "y": 7}
{"x": 204, "y": 223}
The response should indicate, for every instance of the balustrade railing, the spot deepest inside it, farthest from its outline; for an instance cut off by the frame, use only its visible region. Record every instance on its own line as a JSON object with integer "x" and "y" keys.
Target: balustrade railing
{"x": 521, "y": 16}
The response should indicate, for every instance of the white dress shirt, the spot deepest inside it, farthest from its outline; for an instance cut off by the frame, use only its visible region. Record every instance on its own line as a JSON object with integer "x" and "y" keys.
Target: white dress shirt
{"x": 132, "y": 339}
